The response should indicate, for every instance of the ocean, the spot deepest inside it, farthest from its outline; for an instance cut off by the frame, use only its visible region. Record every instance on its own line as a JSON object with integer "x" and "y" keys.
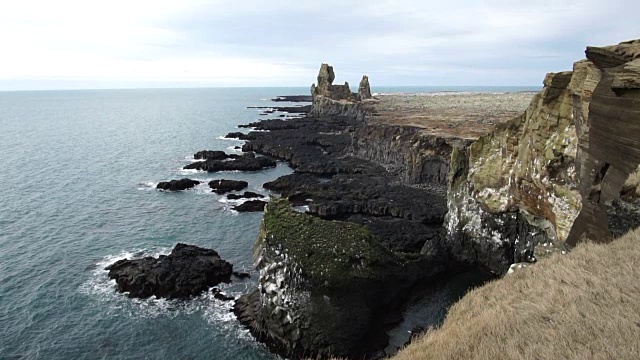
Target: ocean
{"x": 78, "y": 171}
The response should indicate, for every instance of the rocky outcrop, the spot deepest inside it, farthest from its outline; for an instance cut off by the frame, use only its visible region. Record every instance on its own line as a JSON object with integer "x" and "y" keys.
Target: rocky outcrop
{"x": 187, "y": 271}
{"x": 612, "y": 152}
{"x": 364, "y": 89}
{"x": 570, "y": 152}
{"x": 337, "y": 100}
{"x": 324, "y": 286}
{"x": 213, "y": 155}
{"x": 245, "y": 195}
{"x": 223, "y": 186}
{"x": 246, "y": 162}
{"x": 250, "y": 206}
{"x": 177, "y": 185}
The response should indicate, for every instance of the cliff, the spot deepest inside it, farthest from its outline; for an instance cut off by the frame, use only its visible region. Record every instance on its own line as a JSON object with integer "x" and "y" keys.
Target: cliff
{"x": 547, "y": 177}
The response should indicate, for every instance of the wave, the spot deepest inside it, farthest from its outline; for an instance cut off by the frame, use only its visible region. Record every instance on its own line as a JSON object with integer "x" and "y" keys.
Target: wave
{"x": 214, "y": 311}
{"x": 227, "y": 139}
{"x": 147, "y": 185}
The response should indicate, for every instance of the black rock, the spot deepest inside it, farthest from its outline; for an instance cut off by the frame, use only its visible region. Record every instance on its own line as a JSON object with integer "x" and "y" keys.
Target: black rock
{"x": 177, "y": 185}
{"x": 237, "y": 147}
{"x": 223, "y": 297}
{"x": 237, "y": 135}
{"x": 213, "y": 155}
{"x": 224, "y": 186}
{"x": 293, "y": 98}
{"x": 246, "y": 195}
{"x": 241, "y": 275}
{"x": 188, "y": 271}
{"x": 246, "y": 162}
{"x": 251, "y": 206}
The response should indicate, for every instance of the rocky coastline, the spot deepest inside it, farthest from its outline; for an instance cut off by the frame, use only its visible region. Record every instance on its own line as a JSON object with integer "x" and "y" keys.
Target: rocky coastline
{"x": 525, "y": 187}
{"x": 396, "y": 200}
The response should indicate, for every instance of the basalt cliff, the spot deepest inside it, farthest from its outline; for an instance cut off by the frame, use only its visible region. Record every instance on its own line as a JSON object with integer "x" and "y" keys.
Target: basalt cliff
{"x": 396, "y": 198}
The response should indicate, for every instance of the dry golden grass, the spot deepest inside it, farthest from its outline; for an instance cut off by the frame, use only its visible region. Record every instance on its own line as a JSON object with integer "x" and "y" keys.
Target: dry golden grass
{"x": 632, "y": 185}
{"x": 583, "y": 305}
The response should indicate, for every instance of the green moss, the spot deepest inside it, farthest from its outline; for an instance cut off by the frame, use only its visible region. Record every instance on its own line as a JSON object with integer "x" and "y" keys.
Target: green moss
{"x": 328, "y": 252}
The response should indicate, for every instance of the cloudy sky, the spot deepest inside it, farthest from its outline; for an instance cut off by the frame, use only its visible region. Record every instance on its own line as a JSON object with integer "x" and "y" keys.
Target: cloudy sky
{"x": 187, "y": 43}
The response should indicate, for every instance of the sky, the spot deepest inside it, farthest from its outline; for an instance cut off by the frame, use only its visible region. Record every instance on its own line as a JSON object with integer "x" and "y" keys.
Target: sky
{"x": 71, "y": 44}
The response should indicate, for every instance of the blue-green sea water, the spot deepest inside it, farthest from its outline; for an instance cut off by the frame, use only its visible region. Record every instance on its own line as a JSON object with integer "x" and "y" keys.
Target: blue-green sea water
{"x": 78, "y": 171}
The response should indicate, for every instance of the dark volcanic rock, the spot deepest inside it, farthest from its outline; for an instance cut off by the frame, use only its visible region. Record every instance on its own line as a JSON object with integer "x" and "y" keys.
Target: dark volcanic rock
{"x": 188, "y": 271}
{"x": 251, "y": 206}
{"x": 238, "y": 135}
{"x": 177, "y": 185}
{"x": 224, "y": 186}
{"x": 245, "y": 195}
{"x": 333, "y": 279}
{"x": 213, "y": 155}
{"x": 293, "y": 98}
{"x": 246, "y": 162}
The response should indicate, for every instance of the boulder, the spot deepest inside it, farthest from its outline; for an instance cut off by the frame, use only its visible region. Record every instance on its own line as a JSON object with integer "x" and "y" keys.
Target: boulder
{"x": 250, "y": 206}
{"x": 245, "y": 195}
{"x": 177, "y": 185}
{"x": 224, "y": 186}
{"x": 187, "y": 271}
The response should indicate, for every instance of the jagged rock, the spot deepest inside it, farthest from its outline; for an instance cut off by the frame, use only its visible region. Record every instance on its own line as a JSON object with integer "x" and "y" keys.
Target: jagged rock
{"x": 188, "y": 271}
{"x": 324, "y": 286}
{"x": 224, "y": 186}
{"x": 613, "y": 151}
{"x": 177, "y": 185}
{"x": 364, "y": 89}
{"x": 246, "y": 162}
{"x": 237, "y": 135}
{"x": 250, "y": 206}
{"x": 334, "y": 100}
{"x": 245, "y": 195}
{"x": 213, "y": 155}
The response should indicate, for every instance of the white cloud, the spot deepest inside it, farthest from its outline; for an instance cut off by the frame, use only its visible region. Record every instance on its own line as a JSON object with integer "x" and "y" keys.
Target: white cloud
{"x": 243, "y": 43}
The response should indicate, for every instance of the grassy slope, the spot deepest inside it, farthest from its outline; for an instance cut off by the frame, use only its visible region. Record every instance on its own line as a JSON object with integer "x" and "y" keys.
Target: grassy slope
{"x": 584, "y": 305}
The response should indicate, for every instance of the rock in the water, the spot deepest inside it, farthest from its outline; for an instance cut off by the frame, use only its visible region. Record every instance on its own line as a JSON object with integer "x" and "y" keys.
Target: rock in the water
{"x": 213, "y": 155}
{"x": 238, "y": 135}
{"x": 246, "y": 162}
{"x": 245, "y": 195}
{"x": 188, "y": 271}
{"x": 364, "y": 90}
{"x": 224, "y": 186}
{"x": 177, "y": 185}
{"x": 251, "y": 206}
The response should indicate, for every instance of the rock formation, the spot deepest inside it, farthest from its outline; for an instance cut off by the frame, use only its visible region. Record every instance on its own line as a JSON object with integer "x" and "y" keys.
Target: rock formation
{"x": 223, "y": 186}
{"x": 177, "y": 185}
{"x": 570, "y": 153}
{"x": 187, "y": 271}
{"x": 324, "y": 286}
{"x": 250, "y": 206}
{"x": 364, "y": 90}
{"x": 246, "y": 162}
{"x": 335, "y": 100}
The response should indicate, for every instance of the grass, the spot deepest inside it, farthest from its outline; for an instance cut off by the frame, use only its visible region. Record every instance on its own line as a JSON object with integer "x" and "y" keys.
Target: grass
{"x": 583, "y": 305}
{"x": 632, "y": 186}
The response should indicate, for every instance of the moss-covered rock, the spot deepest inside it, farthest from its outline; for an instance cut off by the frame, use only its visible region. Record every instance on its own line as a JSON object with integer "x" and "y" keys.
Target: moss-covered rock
{"x": 324, "y": 286}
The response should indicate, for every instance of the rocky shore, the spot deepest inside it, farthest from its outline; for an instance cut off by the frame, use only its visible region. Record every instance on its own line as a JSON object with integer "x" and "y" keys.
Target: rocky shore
{"x": 480, "y": 188}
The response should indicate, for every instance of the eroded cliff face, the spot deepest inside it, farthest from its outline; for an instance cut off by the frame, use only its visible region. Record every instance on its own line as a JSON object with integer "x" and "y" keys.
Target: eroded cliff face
{"x": 324, "y": 286}
{"x": 525, "y": 184}
{"x": 417, "y": 158}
